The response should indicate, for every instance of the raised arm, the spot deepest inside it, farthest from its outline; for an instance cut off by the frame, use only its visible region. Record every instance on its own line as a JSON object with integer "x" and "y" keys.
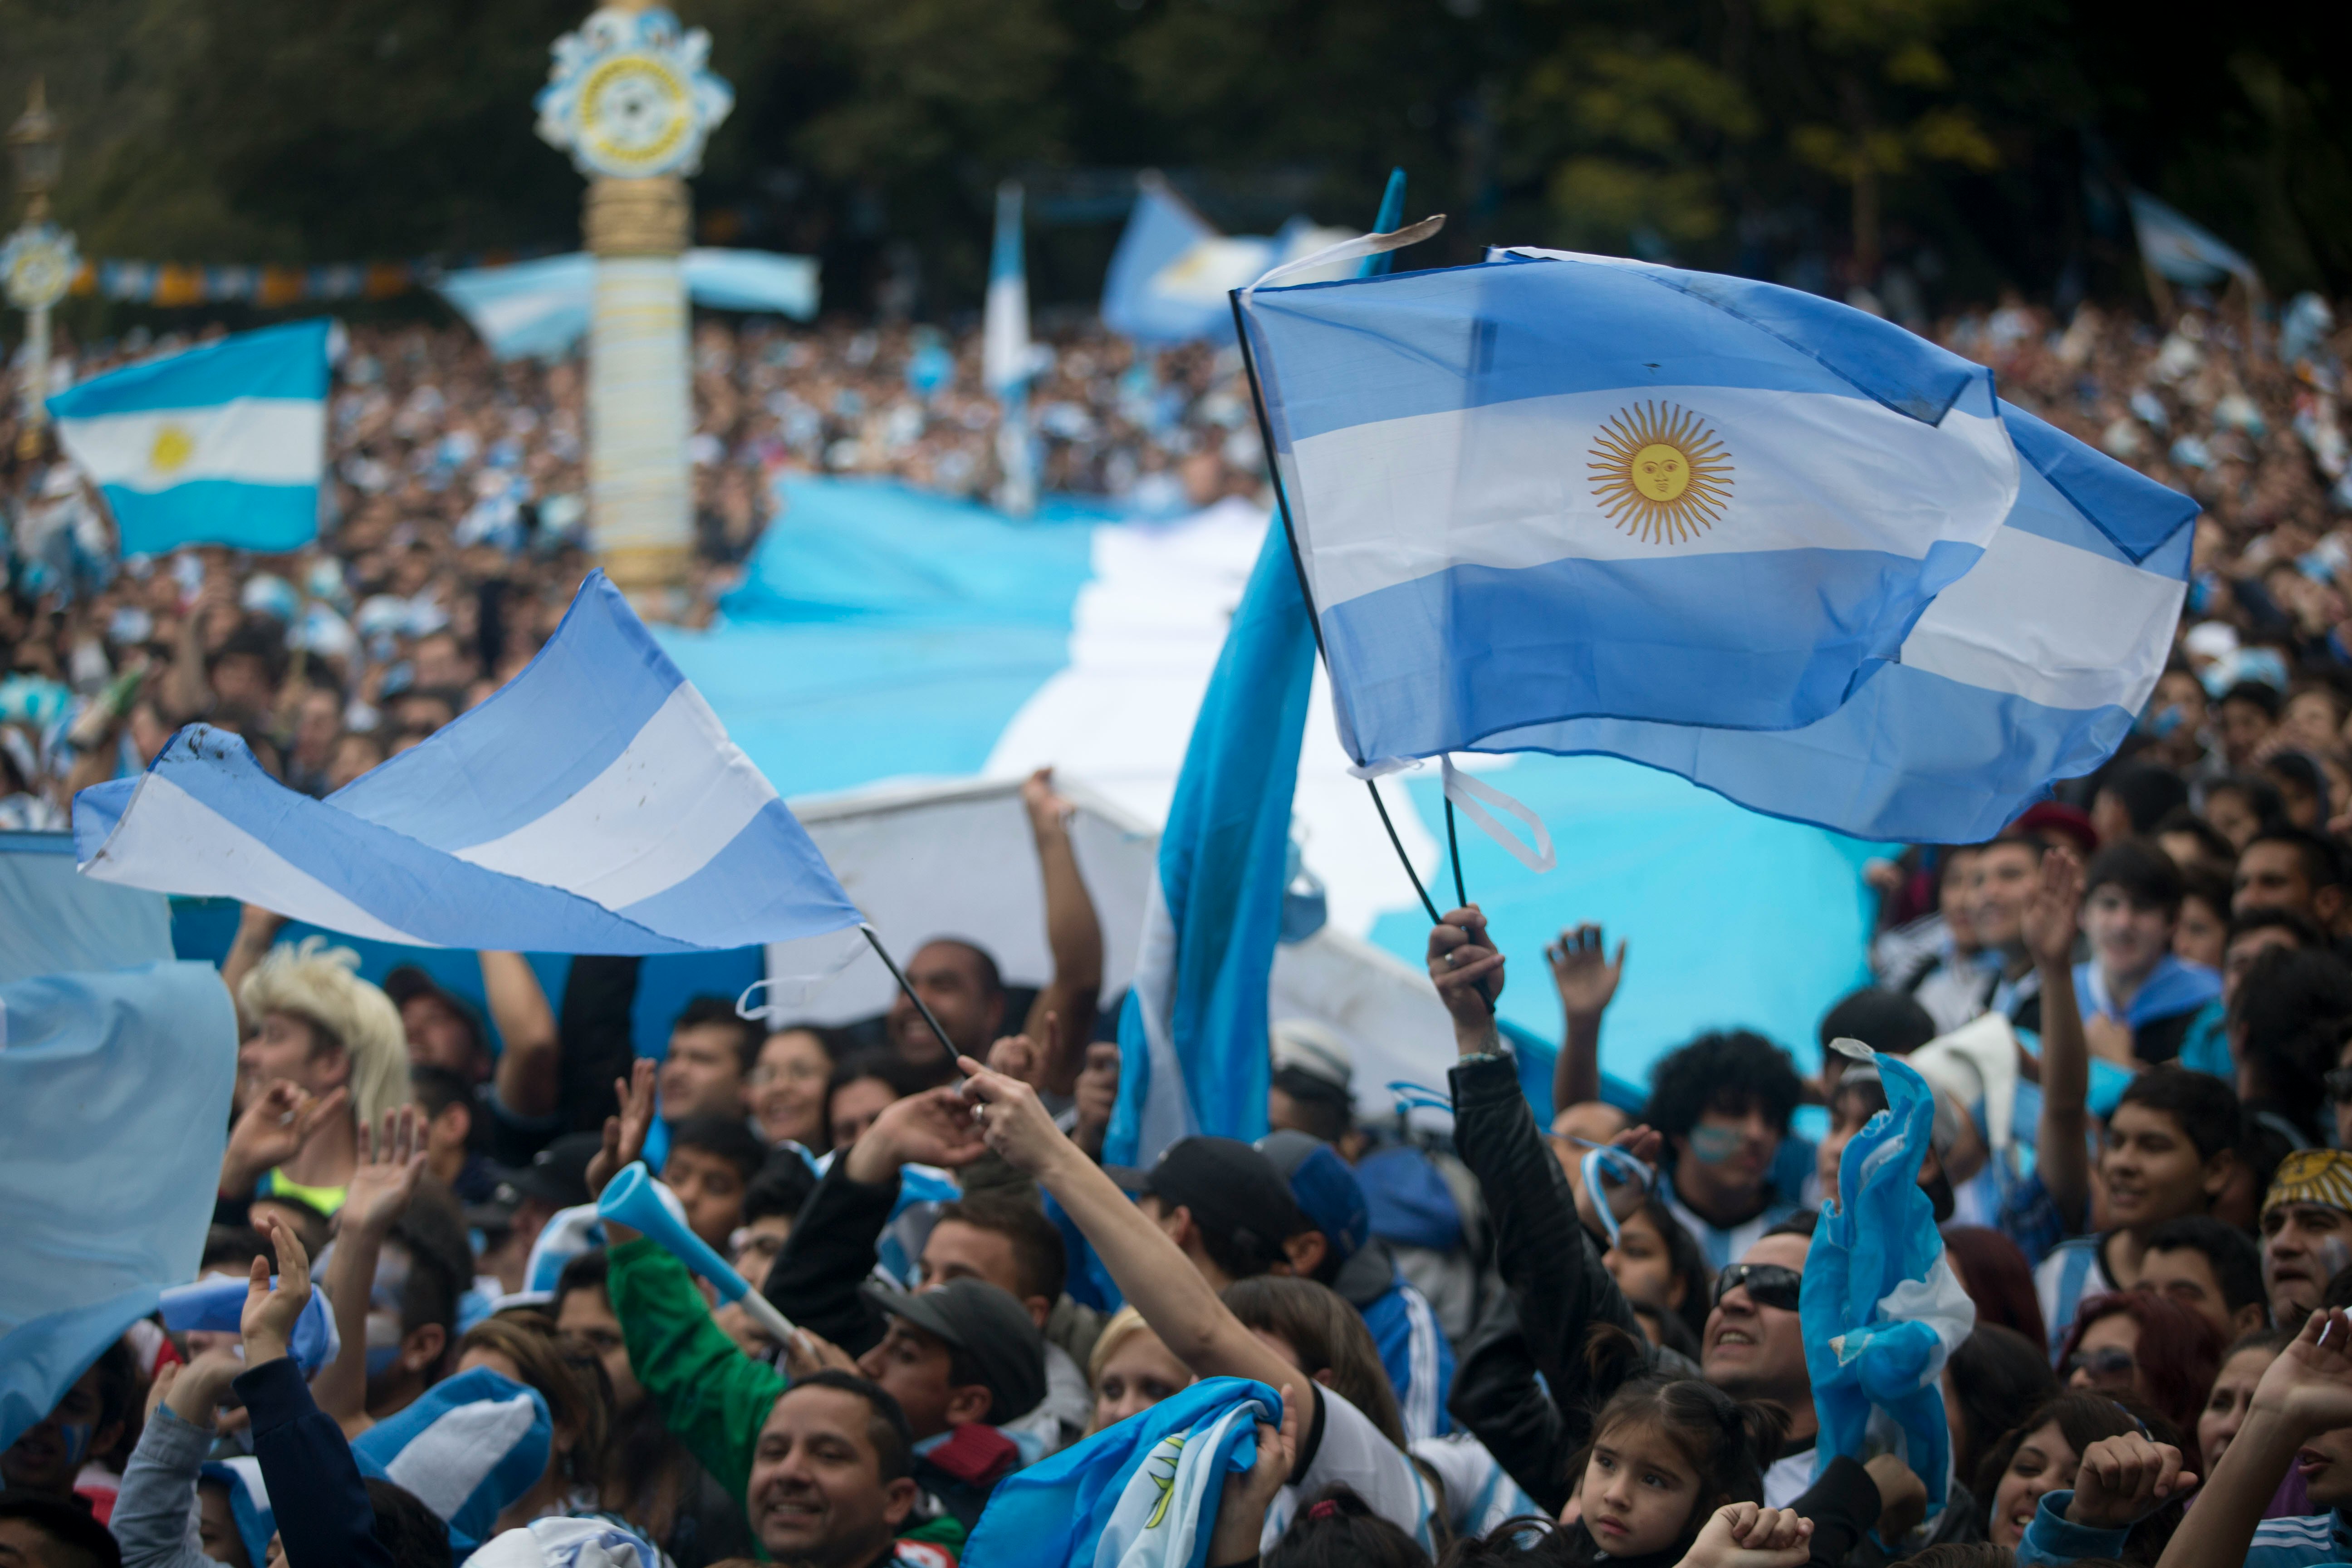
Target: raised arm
{"x": 1156, "y": 1278}
{"x": 1586, "y": 978}
{"x": 528, "y": 1067}
{"x": 1072, "y": 935}
{"x": 391, "y": 1162}
{"x": 2062, "y": 1158}
{"x": 2307, "y": 1391}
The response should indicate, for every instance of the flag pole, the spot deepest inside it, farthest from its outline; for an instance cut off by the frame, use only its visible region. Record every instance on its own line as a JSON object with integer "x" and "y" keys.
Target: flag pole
{"x": 899, "y": 975}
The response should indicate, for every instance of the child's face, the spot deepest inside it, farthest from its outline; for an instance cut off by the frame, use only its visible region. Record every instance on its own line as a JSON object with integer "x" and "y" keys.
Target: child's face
{"x": 1639, "y": 1491}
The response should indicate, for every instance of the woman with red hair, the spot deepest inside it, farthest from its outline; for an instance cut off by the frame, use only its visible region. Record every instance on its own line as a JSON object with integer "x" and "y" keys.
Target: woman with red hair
{"x": 2138, "y": 1342}
{"x": 1997, "y": 1277}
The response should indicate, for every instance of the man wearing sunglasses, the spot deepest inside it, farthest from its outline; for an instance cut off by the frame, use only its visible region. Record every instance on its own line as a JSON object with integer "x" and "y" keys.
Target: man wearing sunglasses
{"x": 1755, "y": 1349}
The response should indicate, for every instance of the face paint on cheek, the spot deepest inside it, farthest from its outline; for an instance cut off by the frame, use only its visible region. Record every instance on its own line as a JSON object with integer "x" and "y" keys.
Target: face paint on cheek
{"x": 383, "y": 1342}
{"x": 1714, "y": 1145}
{"x": 76, "y": 1438}
{"x": 2332, "y": 1254}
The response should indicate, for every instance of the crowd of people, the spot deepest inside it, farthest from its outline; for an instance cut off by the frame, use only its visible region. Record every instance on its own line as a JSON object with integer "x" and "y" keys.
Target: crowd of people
{"x": 2133, "y": 1007}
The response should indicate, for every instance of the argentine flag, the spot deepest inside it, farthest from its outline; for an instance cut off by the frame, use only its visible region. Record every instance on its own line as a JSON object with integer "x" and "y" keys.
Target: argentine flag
{"x": 1193, "y": 1056}
{"x": 1556, "y": 487}
{"x": 592, "y": 804}
{"x": 1140, "y": 1494}
{"x": 1008, "y": 359}
{"x": 220, "y": 445}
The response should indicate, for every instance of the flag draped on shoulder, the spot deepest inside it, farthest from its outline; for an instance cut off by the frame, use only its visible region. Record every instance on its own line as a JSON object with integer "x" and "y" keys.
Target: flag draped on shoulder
{"x": 1556, "y": 487}
{"x": 1192, "y": 1039}
{"x": 219, "y": 445}
{"x": 118, "y": 1086}
{"x": 1143, "y": 1493}
{"x": 2030, "y": 669}
{"x": 592, "y": 804}
{"x": 1881, "y": 1308}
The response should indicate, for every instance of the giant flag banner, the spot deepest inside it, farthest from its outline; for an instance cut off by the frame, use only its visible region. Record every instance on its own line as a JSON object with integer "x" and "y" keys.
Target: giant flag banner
{"x": 1193, "y": 1040}
{"x": 541, "y": 307}
{"x": 593, "y": 804}
{"x": 1555, "y": 486}
{"x": 220, "y": 445}
{"x": 1140, "y": 1494}
{"x": 117, "y": 1086}
{"x": 1881, "y": 1308}
{"x": 2028, "y": 669}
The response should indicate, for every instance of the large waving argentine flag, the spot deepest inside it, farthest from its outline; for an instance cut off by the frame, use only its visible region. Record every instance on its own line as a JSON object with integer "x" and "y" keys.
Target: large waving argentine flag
{"x": 221, "y": 444}
{"x": 2027, "y": 670}
{"x": 1556, "y": 487}
{"x": 594, "y": 805}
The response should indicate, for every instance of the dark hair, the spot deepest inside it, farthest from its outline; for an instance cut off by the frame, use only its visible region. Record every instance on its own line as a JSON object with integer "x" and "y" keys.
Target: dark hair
{"x": 1725, "y": 1070}
{"x": 707, "y": 1010}
{"x": 783, "y": 1185}
{"x": 2206, "y": 1108}
{"x": 1685, "y": 1262}
{"x": 2145, "y": 874}
{"x": 2237, "y": 1261}
{"x": 411, "y": 1533}
{"x": 2276, "y": 917}
{"x": 991, "y": 979}
{"x": 2180, "y": 1350}
{"x": 2261, "y": 693}
{"x": 2262, "y": 798}
{"x": 1319, "y": 1108}
{"x": 2339, "y": 1290}
{"x": 440, "y": 1259}
{"x": 438, "y": 1089}
{"x": 118, "y": 1373}
{"x": 1337, "y": 1528}
{"x": 311, "y": 1226}
{"x": 2084, "y": 1416}
{"x": 887, "y": 1428}
{"x": 884, "y": 1066}
{"x": 2184, "y": 819}
{"x": 1728, "y": 1443}
{"x": 590, "y": 1270}
{"x": 2208, "y": 887}
{"x": 2000, "y": 1377}
{"x": 2322, "y": 868}
{"x": 1883, "y": 1020}
{"x": 2296, "y": 773}
{"x": 1039, "y": 1256}
{"x": 1804, "y": 1222}
{"x": 2146, "y": 791}
{"x": 237, "y": 1246}
{"x": 1328, "y": 1335}
{"x": 1999, "y": 1279}
{"x": 250, "y": 641}
{"x": 724, "y": 1136}
{"x": 576, "y": 1408}
{"x": 2271, "y": 1339}
{"x": 2289, "y": 1012}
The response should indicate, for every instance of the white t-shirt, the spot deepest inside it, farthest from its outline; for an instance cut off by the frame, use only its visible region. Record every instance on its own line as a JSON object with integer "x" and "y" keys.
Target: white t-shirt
{"x": 1343, "y": 1446}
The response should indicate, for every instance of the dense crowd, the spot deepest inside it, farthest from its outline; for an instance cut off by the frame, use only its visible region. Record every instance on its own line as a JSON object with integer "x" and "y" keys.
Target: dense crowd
{"x": 1554, "y": 1342}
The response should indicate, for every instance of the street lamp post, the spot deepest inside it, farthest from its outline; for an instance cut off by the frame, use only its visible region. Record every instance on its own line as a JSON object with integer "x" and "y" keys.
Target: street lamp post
{"x": 629, "y": 97}
{"x": 37, "y": 262}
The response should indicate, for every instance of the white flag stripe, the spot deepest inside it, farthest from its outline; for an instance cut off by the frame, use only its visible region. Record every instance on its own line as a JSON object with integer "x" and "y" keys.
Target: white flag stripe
{"x": 676, "y": 796}
{"x": 2057, "y": 626}
{"x": 250, "y": 440}
{"x": 211, "y": 857}
{"x": 1509, "y": 484}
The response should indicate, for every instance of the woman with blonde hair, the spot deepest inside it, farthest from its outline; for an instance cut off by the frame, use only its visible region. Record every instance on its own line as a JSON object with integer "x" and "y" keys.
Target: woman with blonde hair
{"x": 324, "y": 1055}
{"x": 1129, "y": 1368}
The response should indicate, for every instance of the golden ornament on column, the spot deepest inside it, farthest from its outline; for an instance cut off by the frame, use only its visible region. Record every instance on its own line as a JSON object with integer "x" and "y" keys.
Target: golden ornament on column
{"x": 630, "y": 99}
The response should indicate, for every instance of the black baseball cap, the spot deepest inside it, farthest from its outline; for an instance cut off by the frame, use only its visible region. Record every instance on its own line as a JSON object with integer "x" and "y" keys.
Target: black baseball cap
{"x": 994, "y": 1331}
{"x": 557, "y": 1176}
{"x": 69, "y": 1524}
{"x": 1231, "y": 1190}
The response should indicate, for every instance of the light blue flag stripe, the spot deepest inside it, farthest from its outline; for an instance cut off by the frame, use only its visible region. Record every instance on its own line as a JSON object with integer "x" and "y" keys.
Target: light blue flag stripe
{"x": 287, "y": 362}
{"x": 1159, "y": 230}
{"x": 266, "y": 517}
{"x": 1193, "y": 1040}
{"x": 593, "y": 804}
{"x": 1916, "y": 755}
{"x": 118, "y": 1086}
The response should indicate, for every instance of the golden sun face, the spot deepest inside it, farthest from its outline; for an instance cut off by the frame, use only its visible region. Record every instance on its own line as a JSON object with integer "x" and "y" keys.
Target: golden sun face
{"x": 1660, "y": 473}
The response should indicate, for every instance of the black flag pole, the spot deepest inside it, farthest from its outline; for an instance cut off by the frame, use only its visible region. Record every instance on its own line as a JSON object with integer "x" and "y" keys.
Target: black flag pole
{"x": 899, "y": 975}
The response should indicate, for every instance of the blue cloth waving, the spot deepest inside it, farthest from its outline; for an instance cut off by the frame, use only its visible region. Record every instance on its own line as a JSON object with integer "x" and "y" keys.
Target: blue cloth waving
{"x": 1881, "y": 1307}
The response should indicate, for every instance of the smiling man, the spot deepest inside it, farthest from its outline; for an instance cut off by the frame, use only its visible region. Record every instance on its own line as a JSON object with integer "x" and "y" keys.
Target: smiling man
{"x": 831, "y": 1478}
{"x": 2306, "y": 1230}
{"x": 2168, "y": 1151}
{"x": 1723, "y": 1104}
{"x": 1754, "y": 1348}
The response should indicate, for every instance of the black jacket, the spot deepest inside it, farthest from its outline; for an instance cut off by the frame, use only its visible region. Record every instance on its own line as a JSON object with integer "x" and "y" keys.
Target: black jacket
{"x": 1557, "y": 1291}
{"x": 324, "y": 1517}
{"x": 816, "y": 1280}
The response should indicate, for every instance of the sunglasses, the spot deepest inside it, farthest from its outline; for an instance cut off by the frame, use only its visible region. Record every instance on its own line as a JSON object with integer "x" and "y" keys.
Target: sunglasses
{"x": 1768, "y": 1284}
{"x": 2113, "y": 1364}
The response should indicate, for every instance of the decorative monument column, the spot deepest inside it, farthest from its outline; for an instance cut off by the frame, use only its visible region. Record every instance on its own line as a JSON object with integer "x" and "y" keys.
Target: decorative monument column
{"x": 39, "y": 261}
{"x": 630, "y": 99}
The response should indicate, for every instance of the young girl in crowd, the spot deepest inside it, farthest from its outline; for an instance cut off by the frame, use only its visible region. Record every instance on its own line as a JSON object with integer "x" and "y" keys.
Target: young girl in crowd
{"x": 1995, "y": 1379}
{"x": 1657, "y": 1265}
{"x": 2042, "y": 1454}
{"x": 2138, "y": 1342}
{"x": 579, "y": 1396}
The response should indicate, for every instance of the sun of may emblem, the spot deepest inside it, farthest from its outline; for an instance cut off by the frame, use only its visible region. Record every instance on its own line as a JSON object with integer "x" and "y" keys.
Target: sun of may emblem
{"x": 1660, "y": 473}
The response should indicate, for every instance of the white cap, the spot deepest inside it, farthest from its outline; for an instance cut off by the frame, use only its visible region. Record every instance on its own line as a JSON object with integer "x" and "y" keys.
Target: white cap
{"x": 1310, "y": 1046}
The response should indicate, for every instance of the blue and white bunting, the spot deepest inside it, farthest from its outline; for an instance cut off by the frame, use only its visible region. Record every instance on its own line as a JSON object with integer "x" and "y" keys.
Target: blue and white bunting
{"x": 118, "y": 1086}
{"x": 1193, "y": 1040}
{"x": 2028, "y": 669}
{"x": 593, "y": 804}
{"x": 1140, "y": 1494}
{"x": 219, "y": 445}
{"x": 1555, "y": 486}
